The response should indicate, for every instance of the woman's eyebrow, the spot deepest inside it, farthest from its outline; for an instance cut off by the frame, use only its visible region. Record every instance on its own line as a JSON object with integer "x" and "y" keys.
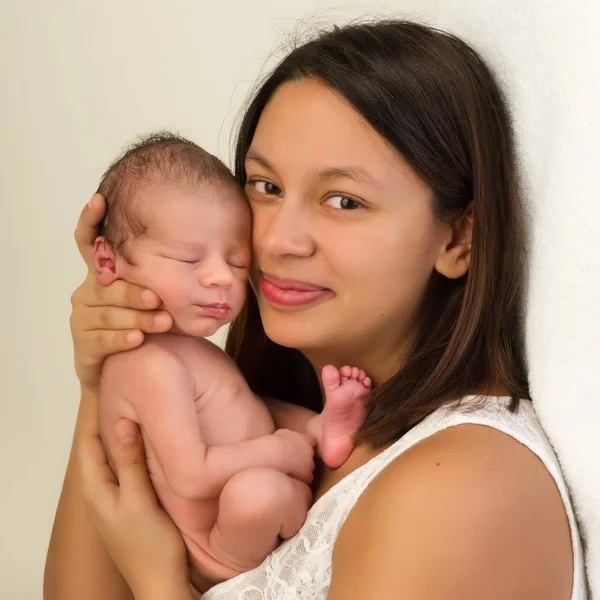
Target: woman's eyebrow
{"x": 258, "y": 158}
{"x": 355, "y": 173}
{"x": 347, "y": 172}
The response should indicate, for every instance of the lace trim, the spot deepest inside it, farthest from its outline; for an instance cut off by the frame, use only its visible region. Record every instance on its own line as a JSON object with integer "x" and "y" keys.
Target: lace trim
{"x": 300, "y": 568}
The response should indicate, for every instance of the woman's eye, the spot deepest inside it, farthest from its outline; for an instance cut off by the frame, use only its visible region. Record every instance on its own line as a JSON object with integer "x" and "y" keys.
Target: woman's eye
{"x": 265, "y": 187}
{"x": 343, "y": 203}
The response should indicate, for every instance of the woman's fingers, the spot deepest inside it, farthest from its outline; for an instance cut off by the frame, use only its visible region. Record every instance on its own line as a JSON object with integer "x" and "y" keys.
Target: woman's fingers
{"x": 109, "y": 317}
{"x": 119, "y": 293}
{"x": 124, "y": 293}
{"x": 98, "y": 480}
{"x": 92, "y": 347}
{"x": 103, "y": 342}
{"x": 100, "y": 327}
{"x": 87, "y": 227}
{"x": 130, "y": 462}
{"x": 132, "y": 481}
{"x": 139, "y": 536}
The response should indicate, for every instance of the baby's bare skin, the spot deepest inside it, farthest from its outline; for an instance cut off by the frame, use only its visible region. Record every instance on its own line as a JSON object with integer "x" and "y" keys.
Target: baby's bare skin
{"x": 231, "y": 484}
{"x": 202, "y": 426}
{"x": 234, "y": 479}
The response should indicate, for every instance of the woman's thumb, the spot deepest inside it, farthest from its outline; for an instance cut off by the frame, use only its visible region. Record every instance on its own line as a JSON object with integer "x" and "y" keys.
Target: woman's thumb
{"x": 127, "y": 433}
{"x": 128, "y": 455}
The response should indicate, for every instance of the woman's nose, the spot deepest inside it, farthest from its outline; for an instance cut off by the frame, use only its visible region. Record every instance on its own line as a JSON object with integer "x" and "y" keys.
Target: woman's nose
{"x": 284, "y": 230}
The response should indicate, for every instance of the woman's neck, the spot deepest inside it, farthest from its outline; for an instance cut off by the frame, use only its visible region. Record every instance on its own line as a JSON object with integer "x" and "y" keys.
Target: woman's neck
{"x": 378, "y": 362}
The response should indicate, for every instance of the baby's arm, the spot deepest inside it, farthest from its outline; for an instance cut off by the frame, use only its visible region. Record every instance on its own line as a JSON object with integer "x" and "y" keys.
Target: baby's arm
{"x": 343, "y": 414}
{"x": 297, "y": 418}
{"x": 161, "y": 391}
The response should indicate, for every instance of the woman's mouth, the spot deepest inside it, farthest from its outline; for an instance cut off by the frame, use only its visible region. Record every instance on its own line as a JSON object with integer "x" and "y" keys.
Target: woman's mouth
{"x": 290, "y": 293}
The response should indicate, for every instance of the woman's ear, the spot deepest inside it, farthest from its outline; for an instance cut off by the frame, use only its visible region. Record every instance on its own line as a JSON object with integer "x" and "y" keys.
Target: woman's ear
{"x": 455, "y": 254}
{"x": 105, "y": 261}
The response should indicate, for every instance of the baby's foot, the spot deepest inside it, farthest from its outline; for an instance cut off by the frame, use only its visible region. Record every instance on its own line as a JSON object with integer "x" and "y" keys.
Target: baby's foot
{"x": 344, "y": 411}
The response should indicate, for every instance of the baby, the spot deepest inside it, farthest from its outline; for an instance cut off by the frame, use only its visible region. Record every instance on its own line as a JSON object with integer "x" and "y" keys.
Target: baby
{"x": 232, "y": 482}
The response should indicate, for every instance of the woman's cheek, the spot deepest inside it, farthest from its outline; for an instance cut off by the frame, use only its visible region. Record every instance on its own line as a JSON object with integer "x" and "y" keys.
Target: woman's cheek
{"x": 240, "y": 293}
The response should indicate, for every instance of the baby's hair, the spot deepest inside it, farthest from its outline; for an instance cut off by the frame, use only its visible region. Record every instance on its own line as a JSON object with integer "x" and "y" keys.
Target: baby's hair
{"x": 160, "y": 158}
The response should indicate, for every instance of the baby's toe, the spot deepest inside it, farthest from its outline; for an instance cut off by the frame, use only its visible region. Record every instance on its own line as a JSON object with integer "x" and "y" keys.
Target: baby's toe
{"x": 346, "y": 372}
{"x": 331, "y": 377}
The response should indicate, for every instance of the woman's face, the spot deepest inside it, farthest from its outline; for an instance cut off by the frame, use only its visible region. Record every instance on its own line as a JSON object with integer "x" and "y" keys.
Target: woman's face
{"x": 344, "y": 235}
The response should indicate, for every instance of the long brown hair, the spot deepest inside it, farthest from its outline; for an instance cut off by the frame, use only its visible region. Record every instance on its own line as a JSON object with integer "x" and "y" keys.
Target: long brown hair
{"x": 433, "y": 99}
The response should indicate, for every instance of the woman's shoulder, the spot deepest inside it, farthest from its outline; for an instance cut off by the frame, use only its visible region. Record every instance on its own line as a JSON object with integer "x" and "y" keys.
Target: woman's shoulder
{"x": 468, "y": 512}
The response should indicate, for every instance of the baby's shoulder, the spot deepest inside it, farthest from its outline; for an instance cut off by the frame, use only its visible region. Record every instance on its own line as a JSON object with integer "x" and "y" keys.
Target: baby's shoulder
{"x": 154, "y": 356}
{"x": 182, "y": 346}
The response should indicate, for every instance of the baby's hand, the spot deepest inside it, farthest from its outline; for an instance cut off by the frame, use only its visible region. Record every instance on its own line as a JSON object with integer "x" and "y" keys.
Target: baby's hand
{"x": 297, "y": 454}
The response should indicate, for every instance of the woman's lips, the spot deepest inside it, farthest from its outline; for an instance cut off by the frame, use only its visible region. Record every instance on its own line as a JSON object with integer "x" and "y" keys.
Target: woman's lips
{"x": 290, "y": 293}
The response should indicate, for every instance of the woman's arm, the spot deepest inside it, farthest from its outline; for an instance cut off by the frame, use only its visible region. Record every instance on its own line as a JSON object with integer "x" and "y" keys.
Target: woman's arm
{"x": 103, "y": 321}
{"x": 78, "y": 565}
{"x": 139, "y": 536}
{"x": 467, "y": 514}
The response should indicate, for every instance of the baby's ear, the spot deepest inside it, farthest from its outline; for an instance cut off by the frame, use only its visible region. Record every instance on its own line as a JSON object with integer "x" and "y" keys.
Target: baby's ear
{"x": 105, "y": 261}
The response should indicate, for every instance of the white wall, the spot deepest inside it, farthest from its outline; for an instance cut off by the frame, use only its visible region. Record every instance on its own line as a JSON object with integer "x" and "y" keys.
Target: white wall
{"x": 548, "y": 51}
{"x": 79, "y": 80}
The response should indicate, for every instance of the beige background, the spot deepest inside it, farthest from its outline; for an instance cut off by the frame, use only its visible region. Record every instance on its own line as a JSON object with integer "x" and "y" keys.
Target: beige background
{"x": 79, "y": 79}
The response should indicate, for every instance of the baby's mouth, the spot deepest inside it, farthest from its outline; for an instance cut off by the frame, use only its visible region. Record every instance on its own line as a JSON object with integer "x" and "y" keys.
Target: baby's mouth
{"x": 216, "y": 309}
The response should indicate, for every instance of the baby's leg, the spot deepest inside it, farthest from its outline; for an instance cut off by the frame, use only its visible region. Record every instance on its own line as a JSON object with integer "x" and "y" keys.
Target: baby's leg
{"x": 257, "y": 508}
{"x": 344, "y": 411}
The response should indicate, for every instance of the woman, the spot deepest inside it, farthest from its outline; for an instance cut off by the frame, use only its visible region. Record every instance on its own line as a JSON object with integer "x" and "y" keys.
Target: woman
{"x": 379, "y": 164}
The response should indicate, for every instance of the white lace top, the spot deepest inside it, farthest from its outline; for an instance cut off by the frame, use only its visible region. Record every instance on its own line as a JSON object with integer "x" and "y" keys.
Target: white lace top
{"x": 300, "y": 568}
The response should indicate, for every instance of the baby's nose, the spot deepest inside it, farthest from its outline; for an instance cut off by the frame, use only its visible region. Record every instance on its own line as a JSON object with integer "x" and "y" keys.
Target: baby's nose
{"x": 218, "y": 273}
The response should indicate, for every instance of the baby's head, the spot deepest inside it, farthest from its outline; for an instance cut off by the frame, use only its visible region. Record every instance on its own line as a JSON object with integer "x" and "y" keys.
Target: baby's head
{"x": 178, "y": 224}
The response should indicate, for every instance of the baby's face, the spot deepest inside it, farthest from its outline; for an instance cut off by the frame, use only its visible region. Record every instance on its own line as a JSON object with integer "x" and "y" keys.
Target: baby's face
{"x": 195, "y": 255}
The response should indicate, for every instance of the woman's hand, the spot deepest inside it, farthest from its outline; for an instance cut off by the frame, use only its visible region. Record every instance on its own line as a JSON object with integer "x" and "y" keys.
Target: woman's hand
{"x": 139, "y": 536}
{"x": 110, "y": 319}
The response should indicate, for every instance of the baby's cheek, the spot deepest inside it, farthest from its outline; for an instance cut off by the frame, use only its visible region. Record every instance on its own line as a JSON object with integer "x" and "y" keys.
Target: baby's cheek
{"x": 173, "y": 292}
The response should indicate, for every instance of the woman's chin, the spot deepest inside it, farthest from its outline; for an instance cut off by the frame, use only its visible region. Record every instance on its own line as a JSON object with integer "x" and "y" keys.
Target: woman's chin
{"x": 295, "y": 332}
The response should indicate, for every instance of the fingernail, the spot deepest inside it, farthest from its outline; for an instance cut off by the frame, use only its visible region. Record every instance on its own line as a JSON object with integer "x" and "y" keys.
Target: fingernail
{"x": 147, "y": 296}
{"x": 126, "y": 432}
{"x": 160, "y": 320}
{"x": 133, "y": 336}
{"x": 91, "y": 201}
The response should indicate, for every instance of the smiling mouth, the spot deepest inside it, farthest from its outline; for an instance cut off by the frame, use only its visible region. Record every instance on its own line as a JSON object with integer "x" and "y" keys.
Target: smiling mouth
{"x": 290, "y": 293}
